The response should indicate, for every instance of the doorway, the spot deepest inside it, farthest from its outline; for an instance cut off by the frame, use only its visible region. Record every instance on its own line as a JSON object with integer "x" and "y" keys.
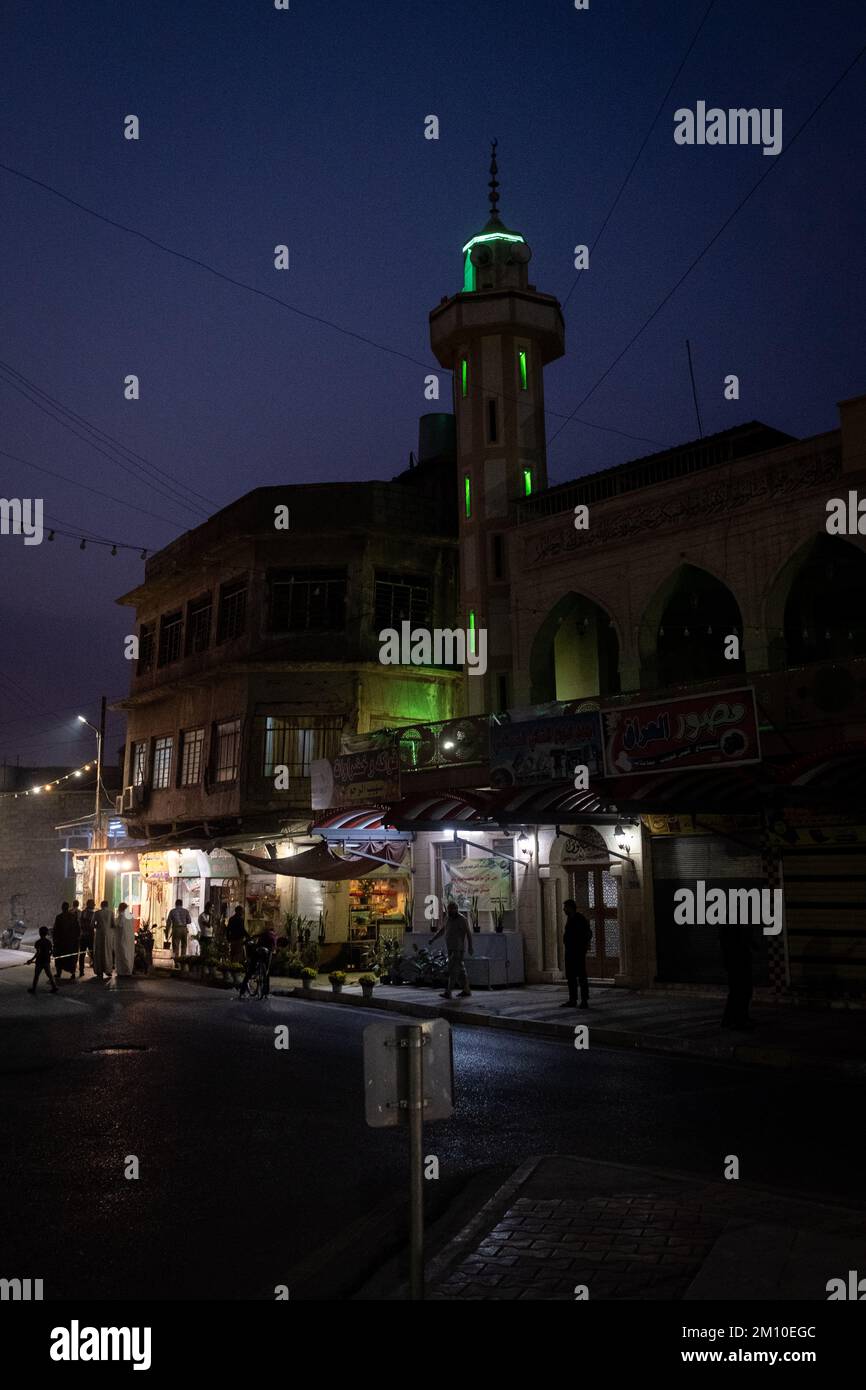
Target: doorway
{"x": 596, "y": 892}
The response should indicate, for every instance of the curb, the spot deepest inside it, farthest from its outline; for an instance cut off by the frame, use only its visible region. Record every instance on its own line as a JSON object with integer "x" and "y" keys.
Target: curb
{"x": 746, "y": 1054}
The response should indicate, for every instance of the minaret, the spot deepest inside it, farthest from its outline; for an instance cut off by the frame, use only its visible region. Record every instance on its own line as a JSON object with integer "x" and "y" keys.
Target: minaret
{"x": 496, "y": 336}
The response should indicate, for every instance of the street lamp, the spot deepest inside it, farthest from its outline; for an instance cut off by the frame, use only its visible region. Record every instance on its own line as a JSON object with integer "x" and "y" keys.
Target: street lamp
{"x": 97, "y": 814}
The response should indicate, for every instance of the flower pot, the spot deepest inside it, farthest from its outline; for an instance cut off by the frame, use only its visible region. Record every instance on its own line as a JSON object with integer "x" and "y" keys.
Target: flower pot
{"x": 337, "y": 988}
{"x": 367, "y": 991}
{"x": 306, "y": 984}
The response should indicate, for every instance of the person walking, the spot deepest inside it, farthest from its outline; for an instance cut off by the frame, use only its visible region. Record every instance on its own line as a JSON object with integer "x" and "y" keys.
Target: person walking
{"x": 64, "y": 936}
{"x": 104, "y": 934}
{"x": 125, "y": 946}
{"x": 42, "y": 958}
{"x": 205, "y": 932}
{"x": 236, "y": 935}
{"x": 458, "y": 940}
{"x": 576, "y": 937}
{"x": 736, "y": 944}
{"x": 178, "y": 921}
{"x": 85, "y": 935}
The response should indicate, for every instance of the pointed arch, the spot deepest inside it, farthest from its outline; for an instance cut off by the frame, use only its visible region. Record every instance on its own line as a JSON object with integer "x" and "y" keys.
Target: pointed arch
{"x": 815, "y": 609}
{"x": 575, "y": 652}
{"x": 683, "y": 630}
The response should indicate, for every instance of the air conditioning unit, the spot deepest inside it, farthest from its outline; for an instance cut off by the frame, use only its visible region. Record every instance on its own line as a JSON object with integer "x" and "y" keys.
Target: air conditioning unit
{"x": 132, "y": 799}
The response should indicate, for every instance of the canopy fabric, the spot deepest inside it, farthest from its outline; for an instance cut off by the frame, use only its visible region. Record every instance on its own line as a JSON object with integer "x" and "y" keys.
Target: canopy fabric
{"x": 325, "y": 864}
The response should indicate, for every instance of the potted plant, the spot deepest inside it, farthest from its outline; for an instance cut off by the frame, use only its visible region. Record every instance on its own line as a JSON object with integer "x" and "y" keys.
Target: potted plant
{"x": 338, "y": 979}
{"x": 367, "y": 983}
{"x": 308, "y": 975}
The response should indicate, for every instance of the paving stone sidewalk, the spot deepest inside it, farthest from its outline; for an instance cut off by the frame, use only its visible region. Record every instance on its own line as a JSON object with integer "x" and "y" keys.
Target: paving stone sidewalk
{"x": 631, "y": 1233}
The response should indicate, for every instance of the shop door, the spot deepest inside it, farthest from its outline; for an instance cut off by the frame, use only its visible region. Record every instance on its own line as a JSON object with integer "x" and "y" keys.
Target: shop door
{"x": 596, "y": 893}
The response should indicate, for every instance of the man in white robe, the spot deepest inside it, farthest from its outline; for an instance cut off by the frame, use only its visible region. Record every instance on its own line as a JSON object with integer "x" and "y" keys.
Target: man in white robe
{"x": 125, "y": 944}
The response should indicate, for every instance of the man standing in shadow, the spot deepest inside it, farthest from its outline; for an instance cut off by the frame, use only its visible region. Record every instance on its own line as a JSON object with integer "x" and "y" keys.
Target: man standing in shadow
{"x": 576, "y": 937}
{"x": 736, "y": 944}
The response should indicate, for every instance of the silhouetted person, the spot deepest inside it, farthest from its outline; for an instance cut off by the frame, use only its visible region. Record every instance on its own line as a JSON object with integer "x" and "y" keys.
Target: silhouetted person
{"x": 65, "y": 938}
{"x": 458, "y": 940}
{"x": 236, "y": 935}
{"x": 42, "y": 957}
{"x": 736, "y": 944}
{"x": 86, "y": 929}
{"x": 576, "y": 937}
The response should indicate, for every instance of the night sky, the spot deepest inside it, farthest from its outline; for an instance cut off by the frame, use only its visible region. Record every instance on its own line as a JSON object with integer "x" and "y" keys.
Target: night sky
{"x": 261, "y": 127}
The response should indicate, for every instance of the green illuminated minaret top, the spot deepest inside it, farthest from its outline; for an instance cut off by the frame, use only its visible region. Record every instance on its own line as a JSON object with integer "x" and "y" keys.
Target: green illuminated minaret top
{"x": 496, "y": 257}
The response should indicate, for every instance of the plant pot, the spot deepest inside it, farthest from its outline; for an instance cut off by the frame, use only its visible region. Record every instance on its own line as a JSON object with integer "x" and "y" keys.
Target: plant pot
{"x": 306, "y": 985}
{"x": 367, "y": 991}
{"x": 336, "y": 988}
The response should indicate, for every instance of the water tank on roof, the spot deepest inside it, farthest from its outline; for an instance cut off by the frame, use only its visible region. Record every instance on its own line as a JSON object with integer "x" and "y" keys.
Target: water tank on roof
{"x": 436, "y": 436}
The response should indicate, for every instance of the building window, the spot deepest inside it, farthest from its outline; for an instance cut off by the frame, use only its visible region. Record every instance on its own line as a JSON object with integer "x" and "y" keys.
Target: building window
{"x": 491, "y": 420}
{"x": 308, "y": 600}
{"x": 170, "y": 634}
{"x": 464, "y": 377}
{"x": 198, "y": 616}
{"x": 233, "y": 610}
{"x": 294, "y": 743}
{"x": 145, "y": 648}
{"x": 191, "y": 747}
{"x": 162, "y": 750}
{"x": 527, "y": 481}
{"x": 138, "y": 763}
{"x": 467, "y": 495}
{"x": 399, "y": 598}
{"x": 227, "y": 749}
{"x": 521, "y": 362}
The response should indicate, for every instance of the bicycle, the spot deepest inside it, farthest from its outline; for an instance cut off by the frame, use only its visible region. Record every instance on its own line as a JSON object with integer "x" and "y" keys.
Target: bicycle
{"x": 257, "y": 980}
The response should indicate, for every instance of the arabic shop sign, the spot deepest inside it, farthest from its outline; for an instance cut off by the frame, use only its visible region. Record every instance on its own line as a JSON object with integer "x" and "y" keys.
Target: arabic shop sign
{"x": 356, "y": 779}
{"x": 717, "y": 727}
{"x": 527, "y": 751}
{"x": 488, "y": 880}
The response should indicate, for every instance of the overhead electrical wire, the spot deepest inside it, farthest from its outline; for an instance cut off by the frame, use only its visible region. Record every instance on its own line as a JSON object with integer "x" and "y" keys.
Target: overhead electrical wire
{"x": 773, "y": 164}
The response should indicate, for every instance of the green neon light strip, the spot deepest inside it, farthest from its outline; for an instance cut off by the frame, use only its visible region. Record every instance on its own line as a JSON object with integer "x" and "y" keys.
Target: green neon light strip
{"x": 468, "y": 494}
{"x": 522, "y": 359}
{"x": 464, "y": 376}
{"x": 472, "y": 630}
{"x": 527, "y": 481}
{"x": 491, "y": 236}
{"x": 468, "y": 276}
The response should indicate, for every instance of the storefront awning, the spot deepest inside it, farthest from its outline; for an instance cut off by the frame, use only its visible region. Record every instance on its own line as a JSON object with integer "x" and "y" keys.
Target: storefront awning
{"x": 325, "y": 864}
{"x": 355, "y": 824}
{"x": 499, "y": 807}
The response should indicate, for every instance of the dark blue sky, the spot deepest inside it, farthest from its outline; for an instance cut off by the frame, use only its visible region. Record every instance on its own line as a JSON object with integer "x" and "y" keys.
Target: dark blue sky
{"x": 260, "y": 127}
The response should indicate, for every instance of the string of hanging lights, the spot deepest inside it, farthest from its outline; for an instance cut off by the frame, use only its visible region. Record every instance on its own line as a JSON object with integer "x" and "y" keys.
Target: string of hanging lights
{"x": 47, "y": 786}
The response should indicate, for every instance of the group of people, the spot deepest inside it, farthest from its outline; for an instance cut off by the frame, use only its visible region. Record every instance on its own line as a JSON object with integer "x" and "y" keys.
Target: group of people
{"x": 106, "y": 936}
{"x": 254, "y": 949}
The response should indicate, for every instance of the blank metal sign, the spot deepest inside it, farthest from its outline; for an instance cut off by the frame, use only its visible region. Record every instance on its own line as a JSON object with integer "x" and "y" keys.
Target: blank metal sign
{"x": 386, "y": 1072}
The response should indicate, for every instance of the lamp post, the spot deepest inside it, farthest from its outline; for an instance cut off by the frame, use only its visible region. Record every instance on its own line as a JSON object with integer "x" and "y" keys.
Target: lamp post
{"x": 98, "y": 875}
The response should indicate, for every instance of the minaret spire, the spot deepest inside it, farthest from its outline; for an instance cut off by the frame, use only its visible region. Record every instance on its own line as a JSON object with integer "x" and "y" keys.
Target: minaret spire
{"x": 494, "y": 184}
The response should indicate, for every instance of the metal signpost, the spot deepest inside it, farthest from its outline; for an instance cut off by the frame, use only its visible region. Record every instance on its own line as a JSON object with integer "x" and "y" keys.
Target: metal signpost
{"x": 409, "y": 1078}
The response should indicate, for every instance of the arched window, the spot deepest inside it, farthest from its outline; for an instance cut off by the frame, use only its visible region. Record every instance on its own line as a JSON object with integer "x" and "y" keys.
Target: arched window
{"x": 825, "y": 612}
{"x": 575, "y": 655}
{"x": 684, "y": 631}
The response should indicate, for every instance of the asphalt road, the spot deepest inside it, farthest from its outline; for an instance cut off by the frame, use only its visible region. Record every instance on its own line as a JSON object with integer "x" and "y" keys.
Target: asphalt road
{"x": 252, "y": 1159}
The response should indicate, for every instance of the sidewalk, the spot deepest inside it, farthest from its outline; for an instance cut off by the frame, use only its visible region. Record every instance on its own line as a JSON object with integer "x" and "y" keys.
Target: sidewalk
{"x": 785, "y": 1035}
{"x": 562, "y": 1225}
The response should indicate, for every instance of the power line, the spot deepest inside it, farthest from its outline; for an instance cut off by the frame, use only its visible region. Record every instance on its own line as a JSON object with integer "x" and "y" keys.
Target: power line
{"x": 643, "y": 145}
{"x": 177, "y": 499}
{"x": 774, "y": 163}
{"x": 274, "y": 299}
{"x": 40, "y": 468}
{"x": 134, "y": 457}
